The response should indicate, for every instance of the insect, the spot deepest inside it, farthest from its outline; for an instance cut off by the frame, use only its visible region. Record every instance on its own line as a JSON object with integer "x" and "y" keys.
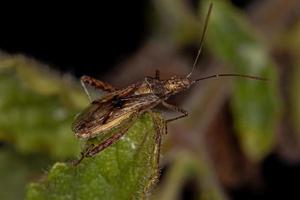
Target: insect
{"x": 120, "y": 107}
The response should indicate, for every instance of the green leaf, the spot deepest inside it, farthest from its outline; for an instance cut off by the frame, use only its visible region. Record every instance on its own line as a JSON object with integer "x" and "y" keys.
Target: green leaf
{"x": 37, "y": 107}
{"x": 255, "y": 104}
{"x": 125, "y": 170}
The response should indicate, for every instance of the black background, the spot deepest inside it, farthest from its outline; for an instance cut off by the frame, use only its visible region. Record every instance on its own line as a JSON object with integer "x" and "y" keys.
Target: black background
{"x": 81, "y": 38}
{"x": 78, "y": 38}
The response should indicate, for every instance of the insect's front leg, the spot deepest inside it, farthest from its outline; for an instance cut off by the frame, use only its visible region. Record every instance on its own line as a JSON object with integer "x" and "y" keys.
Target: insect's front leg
{"x": 87, "y": 80}
{"x": 175, "y": 108}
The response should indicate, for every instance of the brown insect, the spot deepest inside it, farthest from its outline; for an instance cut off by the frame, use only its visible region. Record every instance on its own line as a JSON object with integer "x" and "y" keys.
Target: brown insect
{"x": 120, "y": 107}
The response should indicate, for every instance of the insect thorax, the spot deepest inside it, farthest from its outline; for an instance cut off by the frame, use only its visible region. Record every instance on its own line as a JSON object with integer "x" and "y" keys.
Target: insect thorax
{"x": 157, "y": 87}
{"x": 165, "y": 88}
{"x": 176, "y": 84}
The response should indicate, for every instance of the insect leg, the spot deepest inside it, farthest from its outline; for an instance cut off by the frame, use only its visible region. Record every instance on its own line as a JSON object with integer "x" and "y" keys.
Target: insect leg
{"x": 174, "y": 108}
{"x": 109, "y": 141}
{"x": 82, "y": 153}
{"x": 96, "y": 84}
{"x": 76, "y": 162}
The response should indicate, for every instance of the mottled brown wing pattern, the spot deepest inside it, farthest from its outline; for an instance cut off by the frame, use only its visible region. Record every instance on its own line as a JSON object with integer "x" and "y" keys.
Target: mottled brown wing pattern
{"x": 90, "y": 117}
{"x": 135, "y": 103}
{"x": 103, "y": 116}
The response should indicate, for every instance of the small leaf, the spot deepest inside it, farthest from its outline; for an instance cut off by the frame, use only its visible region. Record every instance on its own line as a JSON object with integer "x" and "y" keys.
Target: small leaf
{"x": 125, "y": 170}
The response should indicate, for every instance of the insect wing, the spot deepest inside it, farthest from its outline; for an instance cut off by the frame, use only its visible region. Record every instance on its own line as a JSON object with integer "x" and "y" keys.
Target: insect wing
{"x": 101, "y": 117}
{"x": 94, "y": 114}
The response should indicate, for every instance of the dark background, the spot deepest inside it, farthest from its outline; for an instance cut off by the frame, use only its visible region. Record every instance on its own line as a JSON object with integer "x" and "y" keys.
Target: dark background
{"x": 91, "y": 39}
{"x": 82, "y": 39}
{"x": 78, "y": 38}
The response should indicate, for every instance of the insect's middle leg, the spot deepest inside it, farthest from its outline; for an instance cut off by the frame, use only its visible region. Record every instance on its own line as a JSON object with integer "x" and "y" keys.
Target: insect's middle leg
{"x": 87, "y": 80}
{"x": 175, "y": 108}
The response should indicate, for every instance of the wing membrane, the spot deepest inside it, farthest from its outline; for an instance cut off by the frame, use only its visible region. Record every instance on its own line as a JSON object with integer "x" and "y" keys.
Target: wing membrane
{"x": 102, "y": 116}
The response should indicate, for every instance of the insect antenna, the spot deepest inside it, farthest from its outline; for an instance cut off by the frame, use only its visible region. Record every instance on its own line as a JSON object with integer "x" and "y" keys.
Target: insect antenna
{"x": 200, "y": 50}
{"x": 231, "y": 75}
{"x": 202, "y": 39}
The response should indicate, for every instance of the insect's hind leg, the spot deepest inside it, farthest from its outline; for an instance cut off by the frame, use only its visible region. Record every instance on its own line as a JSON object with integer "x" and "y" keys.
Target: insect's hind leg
{"x": 176, "y": 109}
{"x": 93, "y": 149}
{"x": 97, "y": 84}
{"x": 82, "y": 154}
{"x": 76, "y": 162}
{"x": 109, "y": 141}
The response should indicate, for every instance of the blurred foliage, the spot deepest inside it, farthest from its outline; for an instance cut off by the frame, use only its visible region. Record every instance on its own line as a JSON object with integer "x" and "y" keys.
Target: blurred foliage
{"x": 255, "y": 104}
{"x": 295, "y": 99}
{"x": 177, "y": 23}
{"x": 126, "y": 170}
{"x": 39, "y": 107}
{"x": 16, "y": 171}
{"x": 292, "y": 44}
{"x": 231, "y": 38}
{"x": 188, "y": 166}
